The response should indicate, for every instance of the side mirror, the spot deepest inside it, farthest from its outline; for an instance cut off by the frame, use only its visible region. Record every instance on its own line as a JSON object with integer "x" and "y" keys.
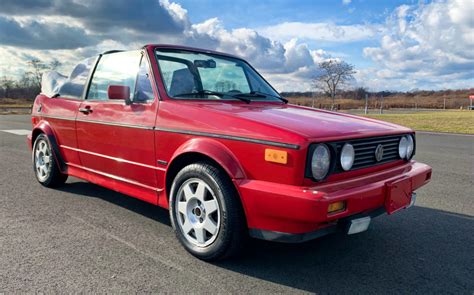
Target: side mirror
{"x": 119, "y": 92}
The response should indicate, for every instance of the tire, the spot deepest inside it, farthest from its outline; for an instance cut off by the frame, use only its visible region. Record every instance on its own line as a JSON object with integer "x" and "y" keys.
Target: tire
{"x": 206, "y": 213}
{"x": 44, "y": 163}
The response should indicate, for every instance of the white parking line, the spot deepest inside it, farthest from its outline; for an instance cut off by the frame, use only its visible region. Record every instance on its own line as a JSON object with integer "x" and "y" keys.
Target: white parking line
{"x": 18, "y": 131}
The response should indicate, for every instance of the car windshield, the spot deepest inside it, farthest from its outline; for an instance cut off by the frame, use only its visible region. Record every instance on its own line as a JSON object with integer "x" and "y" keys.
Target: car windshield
{"x": 196, "y": 75}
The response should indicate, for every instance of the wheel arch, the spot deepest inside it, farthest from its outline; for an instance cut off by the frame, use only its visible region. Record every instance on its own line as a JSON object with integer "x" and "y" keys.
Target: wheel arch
{"x": 43, "y": 127}
{"x": 204, "y": 150}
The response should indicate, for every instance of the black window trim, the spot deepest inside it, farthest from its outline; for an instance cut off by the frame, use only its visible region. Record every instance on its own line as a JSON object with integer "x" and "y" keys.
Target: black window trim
{"x": 143, "y": 53}
{"x": 222, "y": 56}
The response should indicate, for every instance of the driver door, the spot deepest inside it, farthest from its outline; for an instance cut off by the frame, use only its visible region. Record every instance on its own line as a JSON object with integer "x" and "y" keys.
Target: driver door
{"x": 116, "y": 139}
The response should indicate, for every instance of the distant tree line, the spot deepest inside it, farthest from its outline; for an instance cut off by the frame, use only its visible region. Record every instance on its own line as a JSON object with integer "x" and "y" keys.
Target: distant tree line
{"x": 28, "y": 85}
{"x": 360, "y": 92}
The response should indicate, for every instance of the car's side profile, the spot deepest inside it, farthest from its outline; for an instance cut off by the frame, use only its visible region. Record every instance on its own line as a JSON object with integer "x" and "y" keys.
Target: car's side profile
{"x": 203, "y": 134}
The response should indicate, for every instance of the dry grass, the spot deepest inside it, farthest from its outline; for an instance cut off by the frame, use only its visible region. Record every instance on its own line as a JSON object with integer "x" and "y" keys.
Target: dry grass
{"x": 440, "y": 121}
{"x": 15, "y": 102}
{"x": 10, "y": 106}
{"x": 394, "y": 101}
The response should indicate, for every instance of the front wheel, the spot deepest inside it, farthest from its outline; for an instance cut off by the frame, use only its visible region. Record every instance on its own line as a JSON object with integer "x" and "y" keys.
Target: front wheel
{"x": 206, "y": 213}
{"x": 44, "y": 164}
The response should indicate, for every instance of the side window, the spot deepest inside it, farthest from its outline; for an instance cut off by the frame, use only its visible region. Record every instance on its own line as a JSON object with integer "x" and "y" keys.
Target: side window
{"x": 144, "y": 90}
{"x": 74, "y": 85}
{"x": 119, "y": 68}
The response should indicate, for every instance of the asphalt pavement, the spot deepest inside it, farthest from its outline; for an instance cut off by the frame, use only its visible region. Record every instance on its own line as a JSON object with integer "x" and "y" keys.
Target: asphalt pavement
{"x": 82, "y": 237}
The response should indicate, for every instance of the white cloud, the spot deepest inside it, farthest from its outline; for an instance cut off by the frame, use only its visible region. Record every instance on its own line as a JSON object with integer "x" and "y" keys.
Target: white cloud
{"x": 261, "y": 51}
{"x": 426, "y": 44}
{"x": 346, "y": 2}
{"x": 280, "y": 63}
{"x": 325, "y": 32}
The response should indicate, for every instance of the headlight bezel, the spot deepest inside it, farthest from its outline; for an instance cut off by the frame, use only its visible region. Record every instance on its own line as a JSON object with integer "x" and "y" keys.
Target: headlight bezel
{"x": 409, "y": 139}
{"x": 309, "y": 159}
{"x": 412, "y": 138}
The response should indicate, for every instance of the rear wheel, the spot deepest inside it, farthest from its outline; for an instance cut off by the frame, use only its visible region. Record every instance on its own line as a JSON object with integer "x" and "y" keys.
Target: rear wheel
{"x": 44, "y": 164}
{"x": 206, "y": 213}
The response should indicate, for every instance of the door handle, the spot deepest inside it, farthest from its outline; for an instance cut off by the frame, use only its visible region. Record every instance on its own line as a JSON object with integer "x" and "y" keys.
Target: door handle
{"x": 85, "y": 110}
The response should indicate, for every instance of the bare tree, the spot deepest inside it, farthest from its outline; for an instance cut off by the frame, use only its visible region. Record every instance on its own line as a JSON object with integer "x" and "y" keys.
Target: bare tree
{"x": 360, "y": 92}
{"x": 334, "y": 73}
{"x": 6, "y": 84}
{"x": 38, "y": 68}
{"x": 55, "y": 64}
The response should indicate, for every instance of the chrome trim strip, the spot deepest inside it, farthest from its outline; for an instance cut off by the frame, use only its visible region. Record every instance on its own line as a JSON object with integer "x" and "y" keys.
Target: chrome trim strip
{"x": 116, "y": 177}
{"x": 98, "y": 122}
{"x": 56, "y": 117}
{"x": 188, "y": 132}
{"x": 117, "y": 124}
{"x": 231, "y": 137}
{"x": 113, "y": 158}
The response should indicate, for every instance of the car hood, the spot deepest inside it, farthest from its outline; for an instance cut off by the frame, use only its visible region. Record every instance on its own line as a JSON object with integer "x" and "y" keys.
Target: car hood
{"x": 269, "y": 121}
{"x": 307, "y": 122}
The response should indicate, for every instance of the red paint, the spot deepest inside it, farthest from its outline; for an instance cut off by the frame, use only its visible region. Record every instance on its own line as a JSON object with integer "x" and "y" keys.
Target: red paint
{"x": 101, "y": 146}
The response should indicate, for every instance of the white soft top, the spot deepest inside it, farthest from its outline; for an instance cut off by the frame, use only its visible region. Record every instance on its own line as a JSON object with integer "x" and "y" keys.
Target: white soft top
{"x": 51, "y": 82}
{"x": 55, "y": 84}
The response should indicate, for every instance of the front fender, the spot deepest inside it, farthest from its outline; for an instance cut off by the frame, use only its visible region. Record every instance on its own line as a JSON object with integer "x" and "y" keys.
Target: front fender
{"x": 214, "y": 150}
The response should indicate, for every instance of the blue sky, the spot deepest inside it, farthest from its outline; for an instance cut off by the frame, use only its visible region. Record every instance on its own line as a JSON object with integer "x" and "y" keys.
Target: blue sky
{"x": 394, "y": 45}
{"x": 251, "y": 14}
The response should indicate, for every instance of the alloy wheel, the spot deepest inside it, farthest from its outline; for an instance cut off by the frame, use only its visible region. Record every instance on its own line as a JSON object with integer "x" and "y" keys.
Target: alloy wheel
{"x": 198, "y": 212}
{"x": 42, "y": 160}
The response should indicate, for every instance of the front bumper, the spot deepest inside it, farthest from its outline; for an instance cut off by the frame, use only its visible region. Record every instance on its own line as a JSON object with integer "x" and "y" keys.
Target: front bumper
{"x": 294, "y": 214}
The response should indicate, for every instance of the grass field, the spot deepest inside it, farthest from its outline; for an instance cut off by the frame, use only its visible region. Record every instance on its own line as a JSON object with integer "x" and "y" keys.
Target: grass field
{"x": 445, "y": 99}
{"x": 441, "y": 121}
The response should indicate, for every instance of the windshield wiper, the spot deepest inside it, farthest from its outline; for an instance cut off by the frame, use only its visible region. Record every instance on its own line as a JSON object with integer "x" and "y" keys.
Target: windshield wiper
{"x": 260, "y": 94}
{"x": 210, "y": 92}
{"x": 271, "y": 95}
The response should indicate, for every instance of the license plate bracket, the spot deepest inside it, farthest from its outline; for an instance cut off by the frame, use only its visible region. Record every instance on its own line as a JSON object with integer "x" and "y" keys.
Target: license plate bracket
{"x": 398, "y": 195}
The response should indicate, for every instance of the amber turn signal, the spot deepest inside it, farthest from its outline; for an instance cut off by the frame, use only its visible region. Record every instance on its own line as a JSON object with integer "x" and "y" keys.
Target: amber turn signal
{"x": 276, "y": 156}
{"x": 337, "y": 207}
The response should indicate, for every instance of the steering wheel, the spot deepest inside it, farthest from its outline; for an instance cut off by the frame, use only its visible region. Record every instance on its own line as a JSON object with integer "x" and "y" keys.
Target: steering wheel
{"x": 234, "y": 91}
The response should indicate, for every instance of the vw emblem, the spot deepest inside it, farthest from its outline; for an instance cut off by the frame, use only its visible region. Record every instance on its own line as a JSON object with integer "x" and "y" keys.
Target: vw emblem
{"x": 379, "y": 153}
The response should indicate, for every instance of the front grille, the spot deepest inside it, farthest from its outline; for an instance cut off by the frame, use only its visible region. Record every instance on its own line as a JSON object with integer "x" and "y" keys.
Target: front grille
{"x": 364, "y": 149}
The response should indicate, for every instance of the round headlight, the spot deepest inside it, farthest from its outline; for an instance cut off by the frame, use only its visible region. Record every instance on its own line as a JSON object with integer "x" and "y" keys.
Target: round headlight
{"x": 410, "y": 146}
{"x": 402, "y": 147}
{"x": 320, "y": 162}
{"x": 347, "y": 157}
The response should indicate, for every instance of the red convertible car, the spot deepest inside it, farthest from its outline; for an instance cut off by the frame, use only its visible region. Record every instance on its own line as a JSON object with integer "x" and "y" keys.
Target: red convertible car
{"x": 203, "y": 134}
